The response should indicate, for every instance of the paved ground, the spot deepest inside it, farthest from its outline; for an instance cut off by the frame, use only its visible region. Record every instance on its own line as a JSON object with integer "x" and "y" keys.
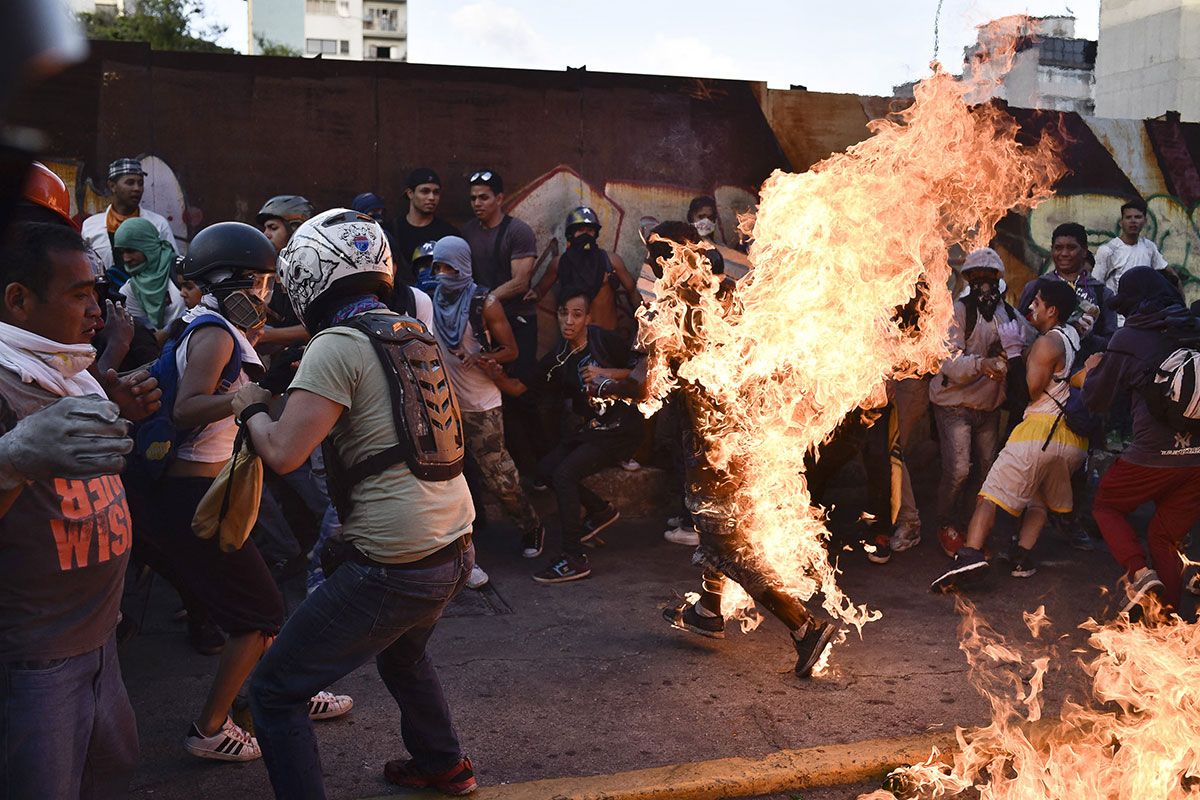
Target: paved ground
{"x": 587, "y": 679}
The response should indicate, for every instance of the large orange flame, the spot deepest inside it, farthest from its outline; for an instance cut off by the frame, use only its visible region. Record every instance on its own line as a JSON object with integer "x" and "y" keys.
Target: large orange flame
{"x": 1136, "y": 737}
{"x": 812, "y": 332}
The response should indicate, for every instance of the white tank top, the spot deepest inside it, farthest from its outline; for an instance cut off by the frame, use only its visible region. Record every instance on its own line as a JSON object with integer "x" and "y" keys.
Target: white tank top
{"x": 1059, "y": 390}
{"x": 214, "y": 443}
{"x": 475, "y": 390}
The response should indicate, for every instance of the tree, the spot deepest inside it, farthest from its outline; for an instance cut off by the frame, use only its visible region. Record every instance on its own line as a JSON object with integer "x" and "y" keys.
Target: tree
{"x": 270, "y": 47}
{"x": 164, "y": 24}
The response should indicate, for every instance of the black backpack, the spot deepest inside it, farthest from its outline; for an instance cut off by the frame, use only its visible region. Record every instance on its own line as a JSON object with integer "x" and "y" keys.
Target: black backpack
{"x": 424, "y": 408}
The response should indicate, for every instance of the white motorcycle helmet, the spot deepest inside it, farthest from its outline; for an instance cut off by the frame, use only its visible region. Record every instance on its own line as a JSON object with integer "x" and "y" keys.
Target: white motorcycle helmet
{"x": 336, "y": 255}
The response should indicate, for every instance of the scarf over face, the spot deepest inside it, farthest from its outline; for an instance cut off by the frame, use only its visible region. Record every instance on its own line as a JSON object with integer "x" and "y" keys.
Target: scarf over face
{"x": 149, "y": 279}
{"x": 60, "y": 369}
{"x": 452, "y": 297}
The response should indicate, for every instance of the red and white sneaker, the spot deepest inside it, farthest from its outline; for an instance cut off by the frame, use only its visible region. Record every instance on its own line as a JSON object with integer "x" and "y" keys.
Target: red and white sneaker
{"x": 458, "y": 780}
{"x": 950, "y": 539}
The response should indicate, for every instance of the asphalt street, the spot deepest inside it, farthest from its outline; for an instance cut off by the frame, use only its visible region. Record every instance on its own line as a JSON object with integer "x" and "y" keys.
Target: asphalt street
{"x": 586, "y": 678}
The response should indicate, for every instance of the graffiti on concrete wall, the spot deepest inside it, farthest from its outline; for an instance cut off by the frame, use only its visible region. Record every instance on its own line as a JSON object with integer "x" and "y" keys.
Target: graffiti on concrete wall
{"x": 1113, "y": 161}
{"x": 627, "y": 210}
{"x": 163, "y": 194}
{"x": 1170, "y": 224}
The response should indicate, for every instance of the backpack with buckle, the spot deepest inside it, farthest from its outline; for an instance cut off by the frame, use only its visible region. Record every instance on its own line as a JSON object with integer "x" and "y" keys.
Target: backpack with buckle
{"x": 424, "y": 408}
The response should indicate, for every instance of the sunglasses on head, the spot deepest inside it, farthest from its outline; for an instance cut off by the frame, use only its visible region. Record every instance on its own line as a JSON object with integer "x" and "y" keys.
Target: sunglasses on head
{"x": 486, "y": 175}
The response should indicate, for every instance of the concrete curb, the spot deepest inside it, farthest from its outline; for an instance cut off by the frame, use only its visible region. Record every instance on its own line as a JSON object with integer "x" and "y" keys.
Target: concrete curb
{"x": 786, "y": 770}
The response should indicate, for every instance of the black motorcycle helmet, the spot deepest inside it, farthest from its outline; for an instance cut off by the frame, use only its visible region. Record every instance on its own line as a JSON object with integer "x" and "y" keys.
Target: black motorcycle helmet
{"x": 233, "y": 262}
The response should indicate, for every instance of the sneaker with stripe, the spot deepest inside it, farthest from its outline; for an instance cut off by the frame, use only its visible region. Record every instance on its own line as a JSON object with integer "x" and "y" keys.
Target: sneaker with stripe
{"x": 327, "y": 705}
{"x": 230, "y": 743}
{"x": 970, "y": 566}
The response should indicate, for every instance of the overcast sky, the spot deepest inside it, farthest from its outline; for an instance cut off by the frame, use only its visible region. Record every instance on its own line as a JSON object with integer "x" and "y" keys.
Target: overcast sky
{"x": 863, "y": 47}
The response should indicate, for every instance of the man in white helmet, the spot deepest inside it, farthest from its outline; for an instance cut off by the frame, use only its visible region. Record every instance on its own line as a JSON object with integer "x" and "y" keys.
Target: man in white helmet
{"x": 393, "y": 443}
{"x": 969, "y": 390}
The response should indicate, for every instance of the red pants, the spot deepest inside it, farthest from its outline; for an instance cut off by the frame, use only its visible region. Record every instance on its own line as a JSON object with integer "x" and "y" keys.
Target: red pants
{"x": 1175, "y": 492}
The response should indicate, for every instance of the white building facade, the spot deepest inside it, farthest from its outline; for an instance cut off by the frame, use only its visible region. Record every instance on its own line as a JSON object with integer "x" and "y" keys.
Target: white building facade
{"x": 346, "y": 29}
{"x": 1149, "y": 59}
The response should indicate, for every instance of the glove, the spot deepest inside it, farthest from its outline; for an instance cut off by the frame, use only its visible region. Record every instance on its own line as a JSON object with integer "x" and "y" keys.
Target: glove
{"x": 1012, "y": 338}
{"x": 75, "y": 437}
{"x": 1084, "y": 324}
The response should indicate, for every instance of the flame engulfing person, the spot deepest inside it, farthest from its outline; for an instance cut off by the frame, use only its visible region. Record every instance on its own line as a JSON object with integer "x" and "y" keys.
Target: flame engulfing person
{"x": 1136, "y": 736}
{"x": 812, "y": 333}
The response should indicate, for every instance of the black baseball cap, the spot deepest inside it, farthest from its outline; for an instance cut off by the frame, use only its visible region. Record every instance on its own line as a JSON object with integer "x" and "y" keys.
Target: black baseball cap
{"x": 422, "y": 175}
{"x": 489, "y": 178}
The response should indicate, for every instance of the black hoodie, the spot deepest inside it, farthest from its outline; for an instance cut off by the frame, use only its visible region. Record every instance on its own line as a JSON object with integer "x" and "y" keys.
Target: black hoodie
{"x": 1156, "y": 322}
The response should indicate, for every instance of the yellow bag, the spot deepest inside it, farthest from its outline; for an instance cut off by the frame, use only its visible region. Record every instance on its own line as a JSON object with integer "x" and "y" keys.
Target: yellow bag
{"x": 230, "y": 506}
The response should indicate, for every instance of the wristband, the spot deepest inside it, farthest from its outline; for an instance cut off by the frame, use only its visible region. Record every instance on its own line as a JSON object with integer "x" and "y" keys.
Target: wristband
{"x": 600, "y": 388}
{"x": 250, "y": 410}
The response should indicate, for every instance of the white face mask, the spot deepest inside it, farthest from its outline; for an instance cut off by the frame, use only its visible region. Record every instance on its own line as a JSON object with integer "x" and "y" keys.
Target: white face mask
{"x": 704, "y": 226}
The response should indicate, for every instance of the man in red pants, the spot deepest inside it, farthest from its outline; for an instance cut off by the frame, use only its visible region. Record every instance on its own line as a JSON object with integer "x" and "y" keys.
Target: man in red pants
{"x": 1162, "y": 465}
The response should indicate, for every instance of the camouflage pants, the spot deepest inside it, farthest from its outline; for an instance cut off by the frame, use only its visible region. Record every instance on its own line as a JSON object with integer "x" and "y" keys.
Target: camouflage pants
{"x": 485, "y": 442}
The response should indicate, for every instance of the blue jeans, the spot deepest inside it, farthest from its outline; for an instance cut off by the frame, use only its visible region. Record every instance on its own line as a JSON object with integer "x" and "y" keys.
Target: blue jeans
{"x": 66, "y": 728}
{"x": 358, "y": 613}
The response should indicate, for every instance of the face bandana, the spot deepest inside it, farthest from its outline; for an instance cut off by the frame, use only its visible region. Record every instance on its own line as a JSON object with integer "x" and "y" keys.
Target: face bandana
{"x": 704, "y": 226}
{"x": 584, "y": 241}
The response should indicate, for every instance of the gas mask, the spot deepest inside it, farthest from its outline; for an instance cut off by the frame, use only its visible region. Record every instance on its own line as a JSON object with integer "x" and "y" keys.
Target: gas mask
{"x": 704, "y": 226}
{"x": 243, "y": 299}
{"x": 986, "y": 293}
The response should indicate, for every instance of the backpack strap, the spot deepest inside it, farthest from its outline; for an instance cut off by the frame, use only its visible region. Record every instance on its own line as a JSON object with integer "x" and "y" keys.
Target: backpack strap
{"x": 501, "y": 229}
{"x": 403, "y": 301}
{"x": 475, "y": 316}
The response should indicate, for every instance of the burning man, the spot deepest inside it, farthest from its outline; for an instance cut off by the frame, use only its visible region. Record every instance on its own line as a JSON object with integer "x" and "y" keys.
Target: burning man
{"x": 709, "y": 495}
{"x": 1032, "y": 474}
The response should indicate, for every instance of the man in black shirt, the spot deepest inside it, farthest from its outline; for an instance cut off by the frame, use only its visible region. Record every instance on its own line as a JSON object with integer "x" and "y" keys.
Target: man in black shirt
{"x": 419, "y": 225}
{"x": 503, "y": 254}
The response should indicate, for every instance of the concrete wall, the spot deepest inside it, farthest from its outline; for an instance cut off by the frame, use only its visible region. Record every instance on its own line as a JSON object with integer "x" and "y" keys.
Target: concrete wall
{"x": 229, "y": 131}
{"x": 1149, "y": 59}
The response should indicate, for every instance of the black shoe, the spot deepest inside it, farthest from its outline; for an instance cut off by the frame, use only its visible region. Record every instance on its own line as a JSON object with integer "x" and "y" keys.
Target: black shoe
{"x": 205, "y": 637}
{"x": 532, "y": 542}
{"x": 880, "y": 549}
{"x": 969, "y": 566}
{"x": 1023, "y": 565}
{"x": 567, "y": 568}
{"x": 812, "y": 645}
{"x": 598, "y": 521}
{"x": 684, "y": 616}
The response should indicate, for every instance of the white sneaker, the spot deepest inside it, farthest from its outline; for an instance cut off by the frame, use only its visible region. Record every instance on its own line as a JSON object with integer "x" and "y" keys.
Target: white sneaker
{"x": 905, "y": 537}
{"x": 327, "y": 705}
{"x": 686, "y": 536}
{"x": 630, "y": 465}
{"x": 231, "y": 743}
{"x": 477, "y": 579}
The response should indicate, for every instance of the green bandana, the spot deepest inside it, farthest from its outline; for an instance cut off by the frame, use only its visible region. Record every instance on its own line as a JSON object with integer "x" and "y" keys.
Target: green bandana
{"x": 151, "y": 278}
